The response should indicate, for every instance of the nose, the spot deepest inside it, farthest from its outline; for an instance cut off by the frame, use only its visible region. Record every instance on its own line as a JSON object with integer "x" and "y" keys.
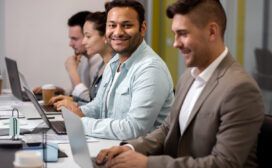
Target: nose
{"x": 71, "y": 43}
{"x": 177, "y": 43}
{"x": 118, "y": 30}
{"x": 83, "y": 41}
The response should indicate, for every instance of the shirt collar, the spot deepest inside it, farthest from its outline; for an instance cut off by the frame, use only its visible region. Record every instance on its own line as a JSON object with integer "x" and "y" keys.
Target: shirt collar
{"x": 205, "y": 75}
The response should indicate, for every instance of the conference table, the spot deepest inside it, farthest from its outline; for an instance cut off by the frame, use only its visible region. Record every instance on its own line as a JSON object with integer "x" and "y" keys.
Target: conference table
{"x": 94, "y": 146}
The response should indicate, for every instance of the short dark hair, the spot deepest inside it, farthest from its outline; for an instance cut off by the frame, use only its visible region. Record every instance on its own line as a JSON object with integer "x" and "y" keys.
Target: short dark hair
{"x": 78, "y": 19}
{"x": 203, "y": 12}
{"x": 99, "y": 20}
{"x": 137, "y": 6}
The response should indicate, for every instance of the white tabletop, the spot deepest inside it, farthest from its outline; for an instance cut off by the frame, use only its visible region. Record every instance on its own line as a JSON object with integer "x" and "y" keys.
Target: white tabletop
{"x": 68, "y": 162}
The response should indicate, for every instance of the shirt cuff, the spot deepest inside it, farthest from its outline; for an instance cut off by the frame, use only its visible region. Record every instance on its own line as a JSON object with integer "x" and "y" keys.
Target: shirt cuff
{"x": 83, "y": 109}
{"x": 79, "y": 89}
{"x": 130, "y": 146}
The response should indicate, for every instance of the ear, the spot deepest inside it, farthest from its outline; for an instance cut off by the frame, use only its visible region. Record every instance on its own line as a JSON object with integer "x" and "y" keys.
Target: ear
{"x": 214, "y": 31}
{"x": 105, "y": 39}
{"x": 143, "y": 28}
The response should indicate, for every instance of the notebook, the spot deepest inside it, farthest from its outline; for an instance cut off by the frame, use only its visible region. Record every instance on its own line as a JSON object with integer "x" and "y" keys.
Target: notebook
{"x": 78, "y": 143}
{"x": 57, "y": 126}
{"x": 14, "y": 80}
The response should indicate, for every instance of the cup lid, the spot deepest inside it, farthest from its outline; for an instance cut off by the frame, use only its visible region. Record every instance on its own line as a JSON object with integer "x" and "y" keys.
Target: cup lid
{"x": 48, "y": 86}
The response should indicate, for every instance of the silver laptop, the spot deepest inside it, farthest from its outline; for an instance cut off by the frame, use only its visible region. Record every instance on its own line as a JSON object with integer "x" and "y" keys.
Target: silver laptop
{"x": 15, "y": 80}
{"x": 77, "y": 139}
{"x": 57, "y": 126}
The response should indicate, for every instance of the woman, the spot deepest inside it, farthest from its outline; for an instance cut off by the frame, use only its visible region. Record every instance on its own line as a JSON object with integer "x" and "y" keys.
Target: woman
{"x": 95, "y": 43}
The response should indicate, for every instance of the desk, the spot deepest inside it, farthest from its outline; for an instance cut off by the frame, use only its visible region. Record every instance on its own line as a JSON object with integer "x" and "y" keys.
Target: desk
{"x": 94, "y": 147}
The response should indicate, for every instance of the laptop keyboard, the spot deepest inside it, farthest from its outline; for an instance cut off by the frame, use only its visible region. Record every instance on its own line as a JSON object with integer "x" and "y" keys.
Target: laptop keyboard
{"x": 49, "y": 108}
{"x": 96, "y": 165}
{"x": 58, "y": 127}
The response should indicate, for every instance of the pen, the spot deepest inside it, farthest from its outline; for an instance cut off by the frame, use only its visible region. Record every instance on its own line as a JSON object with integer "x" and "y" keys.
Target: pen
{"x": 48, "y": 117}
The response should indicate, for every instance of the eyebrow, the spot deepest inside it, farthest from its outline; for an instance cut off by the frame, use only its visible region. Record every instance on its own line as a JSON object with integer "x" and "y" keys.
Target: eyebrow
{"x": 180, "y": 31}
{"x": 126, "y": 21}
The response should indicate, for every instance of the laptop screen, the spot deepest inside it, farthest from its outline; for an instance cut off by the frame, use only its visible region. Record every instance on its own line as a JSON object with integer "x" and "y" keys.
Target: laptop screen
{"x": 77, "y": 139}
{"x": 37, "y": 106}
{"x": 14, "y": 78}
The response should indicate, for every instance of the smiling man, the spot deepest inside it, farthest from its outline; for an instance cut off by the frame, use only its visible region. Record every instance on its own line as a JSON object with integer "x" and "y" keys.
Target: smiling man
{"x": 136, "y": 91}
{"x": 218, "y": 110}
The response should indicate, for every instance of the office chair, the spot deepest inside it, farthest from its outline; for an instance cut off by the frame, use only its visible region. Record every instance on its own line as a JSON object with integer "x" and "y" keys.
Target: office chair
{"x": 263, "y": 75}
{"x": 264, "y": 68}
{"x": 264, "y": 147}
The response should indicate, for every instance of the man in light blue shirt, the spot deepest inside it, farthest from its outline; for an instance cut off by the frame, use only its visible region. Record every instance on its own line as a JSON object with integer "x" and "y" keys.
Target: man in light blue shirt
{"x": 136, "y": 91}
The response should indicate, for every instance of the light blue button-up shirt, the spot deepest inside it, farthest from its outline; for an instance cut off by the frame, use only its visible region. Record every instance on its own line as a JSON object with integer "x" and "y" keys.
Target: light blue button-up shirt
{"x": 139, "y": 101}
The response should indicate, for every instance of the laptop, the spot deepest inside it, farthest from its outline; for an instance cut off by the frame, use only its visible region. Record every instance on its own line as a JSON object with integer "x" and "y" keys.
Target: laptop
{"x": 57, "y": 126}
{"x": 78, "y": 143}
{"x": 14, "y": 80}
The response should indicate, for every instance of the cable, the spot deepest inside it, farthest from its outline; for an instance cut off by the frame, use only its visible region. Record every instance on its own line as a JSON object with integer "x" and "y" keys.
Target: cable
{"x": 44, "y": 146}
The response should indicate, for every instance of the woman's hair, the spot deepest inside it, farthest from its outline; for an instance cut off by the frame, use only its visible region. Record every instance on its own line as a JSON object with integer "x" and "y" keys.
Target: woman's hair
{"x": 99, "y": 20}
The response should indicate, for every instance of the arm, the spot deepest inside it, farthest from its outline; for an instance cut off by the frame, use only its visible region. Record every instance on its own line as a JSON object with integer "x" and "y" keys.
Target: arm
{"x": 71, "y": 65}
{"x": 152, "y": 143}
{"x": 80, "y": 90}
{"x": 241, "y": 115}
{"x": 149, "y": 93}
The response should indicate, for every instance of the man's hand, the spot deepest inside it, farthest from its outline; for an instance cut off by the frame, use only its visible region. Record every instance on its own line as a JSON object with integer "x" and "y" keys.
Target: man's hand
{"x": 37, "y": 90}
{"x": 121, "y": 156}
{"x": 128, "y": 159}
{"x": 107, "y": 154}
{"x": 59, "y": 98}
{"x": 72, "y": 62}
{"x": 69, "y": 104}
{"x": 71, "y": 65}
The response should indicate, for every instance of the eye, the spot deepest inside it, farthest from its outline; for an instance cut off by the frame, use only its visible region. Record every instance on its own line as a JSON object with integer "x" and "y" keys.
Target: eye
{"x": 127, "y": 26}
{"x": 182, "y": 33}
{"x": 87, "y": 36}
{"x": 111, "y": 25}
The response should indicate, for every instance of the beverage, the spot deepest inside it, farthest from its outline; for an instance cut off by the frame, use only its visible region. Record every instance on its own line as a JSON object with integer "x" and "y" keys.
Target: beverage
{"x": 48, "y": 91}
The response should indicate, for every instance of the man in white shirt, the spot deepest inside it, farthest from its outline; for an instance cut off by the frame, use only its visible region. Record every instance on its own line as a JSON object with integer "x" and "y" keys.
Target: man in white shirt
{"x": 81, "y": 68}
{"x": 218, "y": 110}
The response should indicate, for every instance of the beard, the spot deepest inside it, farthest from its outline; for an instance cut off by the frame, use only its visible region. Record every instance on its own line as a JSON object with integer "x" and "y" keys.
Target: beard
{"x": 132, "y": 43}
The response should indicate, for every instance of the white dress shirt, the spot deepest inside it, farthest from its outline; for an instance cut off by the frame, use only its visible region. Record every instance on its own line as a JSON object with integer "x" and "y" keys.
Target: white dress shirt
{"x": 196, "y": 89}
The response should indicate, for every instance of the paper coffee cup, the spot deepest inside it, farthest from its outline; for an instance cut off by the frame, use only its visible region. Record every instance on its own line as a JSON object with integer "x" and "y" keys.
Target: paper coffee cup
{"x": 1, "y": 83}
{"x": 28, "y": 159}
{"x": 48, "y": 91}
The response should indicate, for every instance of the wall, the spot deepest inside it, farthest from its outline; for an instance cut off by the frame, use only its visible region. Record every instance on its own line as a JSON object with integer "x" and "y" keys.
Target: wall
{"x": 35, "y": 34}
{"x": 2, "y": 48}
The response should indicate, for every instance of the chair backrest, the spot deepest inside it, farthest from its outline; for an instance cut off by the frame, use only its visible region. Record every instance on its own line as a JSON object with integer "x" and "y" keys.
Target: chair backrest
{"x": 264, "y": 69}
{"x": 264, "y": 148}
{"x": 263, "y": 59}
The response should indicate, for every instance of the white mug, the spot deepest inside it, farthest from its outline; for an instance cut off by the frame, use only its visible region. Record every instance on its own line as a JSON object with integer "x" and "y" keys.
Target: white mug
{"x": 28, "y": 159}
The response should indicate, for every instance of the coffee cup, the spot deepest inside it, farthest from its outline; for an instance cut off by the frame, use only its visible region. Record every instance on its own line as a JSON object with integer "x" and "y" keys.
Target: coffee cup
{"x": 48, "y": 91}
{"x": 28, "y": 159}
{"x": 1, "y": 83}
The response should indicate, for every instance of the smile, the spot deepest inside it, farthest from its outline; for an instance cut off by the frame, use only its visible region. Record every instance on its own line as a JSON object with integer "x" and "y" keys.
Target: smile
{"x": 120, "y": 39}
